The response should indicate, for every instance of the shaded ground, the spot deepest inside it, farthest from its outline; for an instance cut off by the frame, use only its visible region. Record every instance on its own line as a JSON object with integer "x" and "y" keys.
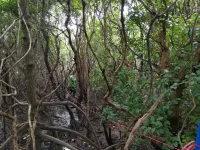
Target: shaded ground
{"x": 58, "y": 116}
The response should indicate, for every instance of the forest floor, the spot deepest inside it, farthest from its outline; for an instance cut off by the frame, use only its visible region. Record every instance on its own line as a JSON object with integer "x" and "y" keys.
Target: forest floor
{"x": 62, "y": 119}
{"x": 58, "y": 116}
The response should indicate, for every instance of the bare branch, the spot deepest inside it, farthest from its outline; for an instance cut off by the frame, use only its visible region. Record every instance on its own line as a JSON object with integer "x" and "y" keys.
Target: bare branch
{"x": 55, "y": 140}
{"x": 2, "y": 60}
{"x": 6, "y": 115}
{"x": 29, "y": 49}
{"x": 19, "y": 131}
{"x": 66, "y": 103}
{"x": 10, "y": 94}
{"x": 14, "y": 137}
{"x": 47, "y": 127}
{"x": 140, "y": 121}
{"x": 8, "y": 29}
{"x": 114, "y": 145}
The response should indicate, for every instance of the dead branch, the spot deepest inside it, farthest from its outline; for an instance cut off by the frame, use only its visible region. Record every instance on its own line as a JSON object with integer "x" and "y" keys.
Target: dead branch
{"x": 8, "y": 28}
{"x": 12, "y": 87}
{"x": 55, "y": 128}
{"x": 27, "y": 52}
{"x": 67, "y": 103}
{"x": 19, "y": 131}
{"x": 114, "y": 145}
{"x": 2, "y": 60}
{"x": 6, "y": 115}
{"x": 140, "y": 121}
{"x": 55, "y": 140}
{"x": 15, "y": 138}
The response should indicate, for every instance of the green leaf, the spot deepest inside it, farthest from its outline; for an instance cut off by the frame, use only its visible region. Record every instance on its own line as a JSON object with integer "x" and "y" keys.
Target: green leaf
{"x": 175, "y": 144}
{"x": 158, "y": 123}
{"x": 198, "y": 72}
{"x": 160, "y": 118}
{"x": 174, "y": 86}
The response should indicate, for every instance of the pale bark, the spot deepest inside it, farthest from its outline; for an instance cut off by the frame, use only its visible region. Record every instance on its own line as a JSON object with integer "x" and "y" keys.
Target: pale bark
{"x": 140, "y": 121}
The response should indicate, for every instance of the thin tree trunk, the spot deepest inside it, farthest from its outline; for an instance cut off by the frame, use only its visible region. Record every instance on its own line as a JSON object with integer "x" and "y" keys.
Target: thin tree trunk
{"x": 29, "y": 64}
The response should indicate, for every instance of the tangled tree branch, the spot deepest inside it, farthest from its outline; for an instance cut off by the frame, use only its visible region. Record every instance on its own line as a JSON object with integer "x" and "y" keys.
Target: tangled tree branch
{"x": 55, "y": 140}
{"x": 47, "y": 127}
{"x": 14, "y": 136}
{"x": 124, "y": 47}
{"x": 140, "y": 121}
{"x": 190, "y": 84}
